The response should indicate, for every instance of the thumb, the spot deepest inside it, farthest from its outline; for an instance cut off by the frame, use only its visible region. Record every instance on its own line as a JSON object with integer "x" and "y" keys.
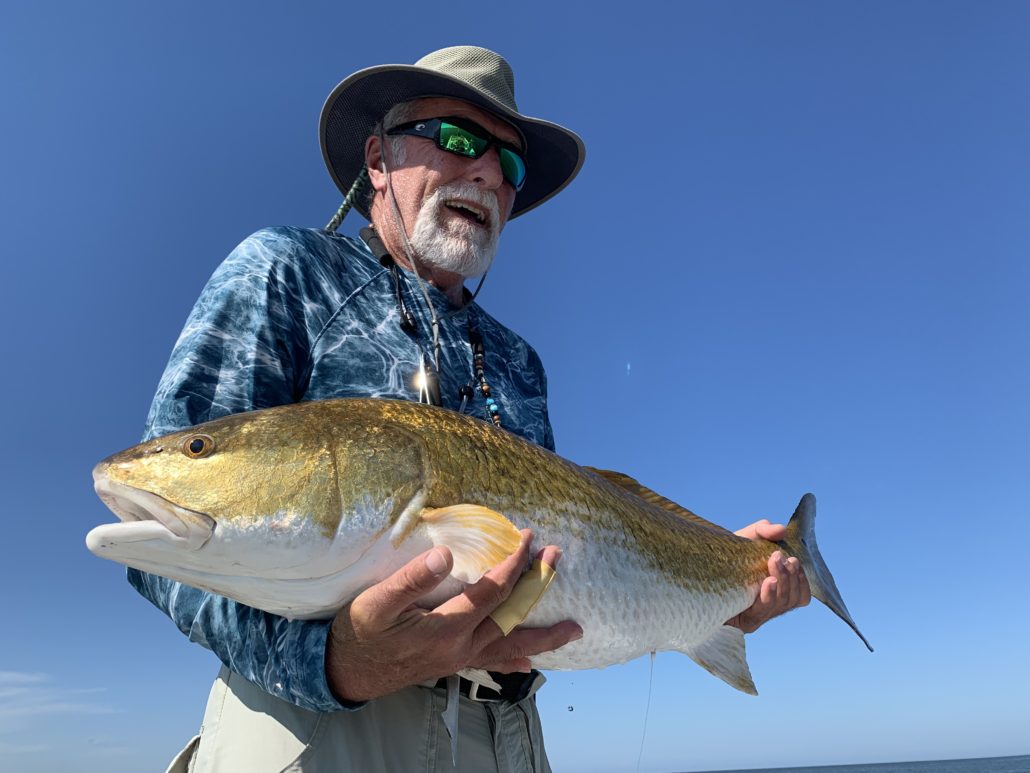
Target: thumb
{"x": 386, "y": 600}
{"x": 756, "y": 530}
{"x": 773, "y": 532}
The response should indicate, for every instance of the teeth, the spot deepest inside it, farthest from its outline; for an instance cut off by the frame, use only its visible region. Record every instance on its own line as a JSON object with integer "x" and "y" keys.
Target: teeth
{"x": 480, "y": 216}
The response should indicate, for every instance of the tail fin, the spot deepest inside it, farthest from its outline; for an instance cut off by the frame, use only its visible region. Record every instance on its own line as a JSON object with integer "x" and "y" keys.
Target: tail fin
{"x": 800, "y": 542}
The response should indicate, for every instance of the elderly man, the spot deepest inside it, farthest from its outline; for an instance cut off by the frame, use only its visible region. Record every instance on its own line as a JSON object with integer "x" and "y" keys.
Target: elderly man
{"x": 438, "y": 157}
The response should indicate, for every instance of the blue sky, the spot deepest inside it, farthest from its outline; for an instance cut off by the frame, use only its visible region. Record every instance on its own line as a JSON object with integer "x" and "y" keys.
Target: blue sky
{"x": 796, "y": 260}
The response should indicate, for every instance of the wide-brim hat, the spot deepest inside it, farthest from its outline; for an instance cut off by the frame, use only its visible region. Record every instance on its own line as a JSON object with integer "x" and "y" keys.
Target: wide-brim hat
{"x": 553, "y": 154}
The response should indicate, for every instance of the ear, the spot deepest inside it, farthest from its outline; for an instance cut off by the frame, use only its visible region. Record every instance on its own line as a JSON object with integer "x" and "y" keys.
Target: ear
{"x": 374, "y": 161}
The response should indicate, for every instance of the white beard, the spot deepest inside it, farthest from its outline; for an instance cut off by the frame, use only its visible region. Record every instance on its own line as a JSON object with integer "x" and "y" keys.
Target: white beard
{"x": 450, "y": 243}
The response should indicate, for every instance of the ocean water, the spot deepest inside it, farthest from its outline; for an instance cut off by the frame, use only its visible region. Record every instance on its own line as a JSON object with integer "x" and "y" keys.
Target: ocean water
{"x": 984, "y": 765}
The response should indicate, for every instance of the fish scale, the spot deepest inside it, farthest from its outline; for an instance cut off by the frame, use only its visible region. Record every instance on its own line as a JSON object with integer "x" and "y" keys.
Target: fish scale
{"x": 298, "y": 508}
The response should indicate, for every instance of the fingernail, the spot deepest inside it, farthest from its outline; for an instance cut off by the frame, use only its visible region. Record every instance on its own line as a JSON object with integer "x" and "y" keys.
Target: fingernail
{"x": 577, "y": 636}
{"x": 436, "y": 563}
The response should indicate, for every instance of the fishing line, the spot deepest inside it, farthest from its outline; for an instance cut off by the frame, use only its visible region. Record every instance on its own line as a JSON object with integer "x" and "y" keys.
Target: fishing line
{"x": 647, "y": 711}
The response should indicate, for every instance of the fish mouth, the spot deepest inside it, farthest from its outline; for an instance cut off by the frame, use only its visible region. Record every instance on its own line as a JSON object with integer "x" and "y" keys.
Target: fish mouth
{"x": 145, "y": 516}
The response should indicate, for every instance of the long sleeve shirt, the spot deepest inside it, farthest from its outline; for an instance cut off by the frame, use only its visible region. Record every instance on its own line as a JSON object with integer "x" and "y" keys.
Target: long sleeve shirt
{"x": 299, "y": 314}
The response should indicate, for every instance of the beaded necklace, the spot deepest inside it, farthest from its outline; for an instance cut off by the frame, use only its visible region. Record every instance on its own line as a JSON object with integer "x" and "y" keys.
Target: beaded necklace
{"x": 427, "y": 377}
{"x": 478, "y": 362}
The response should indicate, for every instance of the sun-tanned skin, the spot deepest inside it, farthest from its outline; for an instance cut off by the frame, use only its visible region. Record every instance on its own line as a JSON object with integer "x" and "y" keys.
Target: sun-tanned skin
{"x": 425, "y": 169}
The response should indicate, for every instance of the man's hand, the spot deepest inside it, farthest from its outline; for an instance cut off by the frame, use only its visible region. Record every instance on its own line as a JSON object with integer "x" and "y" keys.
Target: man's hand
{"x": 785, "y": 588}
{"x": 382, "y": 642}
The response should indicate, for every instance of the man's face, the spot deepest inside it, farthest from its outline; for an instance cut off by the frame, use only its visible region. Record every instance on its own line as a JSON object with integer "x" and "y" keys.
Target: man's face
{"x": 453, "y": 207}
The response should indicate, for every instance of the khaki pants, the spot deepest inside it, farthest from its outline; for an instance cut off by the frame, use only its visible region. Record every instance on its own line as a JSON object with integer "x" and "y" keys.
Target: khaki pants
{"x": 246, "y": 729}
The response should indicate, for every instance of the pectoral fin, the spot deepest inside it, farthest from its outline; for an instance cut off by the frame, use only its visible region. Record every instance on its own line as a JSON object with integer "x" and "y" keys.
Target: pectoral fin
{"x": 722, "y": 654}
{"x": 478, "y": 537}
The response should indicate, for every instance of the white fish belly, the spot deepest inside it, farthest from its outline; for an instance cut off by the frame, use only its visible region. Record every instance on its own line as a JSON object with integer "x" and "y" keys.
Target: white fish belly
{"x": 625, "y": 605}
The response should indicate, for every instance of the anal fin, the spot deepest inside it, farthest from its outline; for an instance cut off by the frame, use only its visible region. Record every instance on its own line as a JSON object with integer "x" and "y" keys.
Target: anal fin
{"x": 722, "y": 654}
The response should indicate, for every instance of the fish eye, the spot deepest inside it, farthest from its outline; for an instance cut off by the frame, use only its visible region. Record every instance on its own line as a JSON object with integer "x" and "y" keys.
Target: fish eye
{"x": 198, "y": 446}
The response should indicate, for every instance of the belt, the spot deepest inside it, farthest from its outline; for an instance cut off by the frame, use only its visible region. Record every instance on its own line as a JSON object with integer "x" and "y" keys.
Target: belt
{"x": 514, "y": 687}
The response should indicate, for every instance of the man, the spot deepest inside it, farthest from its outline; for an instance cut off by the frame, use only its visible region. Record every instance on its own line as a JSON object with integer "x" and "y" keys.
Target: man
{"x": 439, "y": 158}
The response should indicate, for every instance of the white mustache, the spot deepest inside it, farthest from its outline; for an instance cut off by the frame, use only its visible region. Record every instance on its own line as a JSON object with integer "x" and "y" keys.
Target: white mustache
{"x": 472, "y": 194}
{"x": 452, "y": 246}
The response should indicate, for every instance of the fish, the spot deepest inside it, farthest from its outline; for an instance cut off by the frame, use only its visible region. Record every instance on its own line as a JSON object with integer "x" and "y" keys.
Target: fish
{"x": 296, "y": 509}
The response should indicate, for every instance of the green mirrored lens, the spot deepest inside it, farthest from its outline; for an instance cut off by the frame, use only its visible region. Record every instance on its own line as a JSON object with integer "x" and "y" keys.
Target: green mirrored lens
{"x": 464, "y": 143}
{"x": 513, "y": 168}
{"x": 457, "y": 140}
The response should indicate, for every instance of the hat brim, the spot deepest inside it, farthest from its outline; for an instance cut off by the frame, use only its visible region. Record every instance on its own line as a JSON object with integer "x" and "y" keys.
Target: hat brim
{"x": 554, "y": 155}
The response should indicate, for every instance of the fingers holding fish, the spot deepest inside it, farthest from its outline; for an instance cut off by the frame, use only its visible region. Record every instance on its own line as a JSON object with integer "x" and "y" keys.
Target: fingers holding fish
{"x": 785, "y": 588}
{"x": 800, "y": 593}
{"x": 788, "y": 586}
{"x": 549, "y": 555}
{"x": 763, "y": 529}
{"x": 513, "y": 652}
{"x": 381, "y": 641}
{"x": 389, "y": 599}
{"x": 489, "y": 647}
{"x": 510, "y": 651}
{"x": 477, "y": 601}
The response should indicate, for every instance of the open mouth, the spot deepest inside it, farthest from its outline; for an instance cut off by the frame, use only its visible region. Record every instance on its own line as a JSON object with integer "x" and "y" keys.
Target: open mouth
{"x": 471, "y": 212}
{"x": 146, "y": 516}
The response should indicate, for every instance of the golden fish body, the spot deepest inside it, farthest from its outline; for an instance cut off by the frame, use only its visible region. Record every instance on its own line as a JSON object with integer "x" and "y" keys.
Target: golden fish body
{"x": 297, "y": 509}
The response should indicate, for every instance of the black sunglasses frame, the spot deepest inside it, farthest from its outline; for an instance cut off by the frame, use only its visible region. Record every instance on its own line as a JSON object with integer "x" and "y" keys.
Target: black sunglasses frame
{"x": 430, "y": 128}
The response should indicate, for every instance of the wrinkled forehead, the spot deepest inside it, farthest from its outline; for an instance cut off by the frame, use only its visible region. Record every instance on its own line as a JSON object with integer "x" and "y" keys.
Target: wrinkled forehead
{"x": 439, "y": 107}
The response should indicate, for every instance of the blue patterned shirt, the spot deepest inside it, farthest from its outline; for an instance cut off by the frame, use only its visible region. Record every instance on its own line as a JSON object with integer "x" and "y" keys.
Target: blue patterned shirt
{"x": 298, "y": 314}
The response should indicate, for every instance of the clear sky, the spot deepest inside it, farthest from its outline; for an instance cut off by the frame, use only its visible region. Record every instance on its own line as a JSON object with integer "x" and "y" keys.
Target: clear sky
{"x": 797, "y": 259}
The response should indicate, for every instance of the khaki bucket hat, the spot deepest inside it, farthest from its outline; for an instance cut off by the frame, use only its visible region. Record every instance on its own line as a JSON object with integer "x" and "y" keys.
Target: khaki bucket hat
{"x": 553, "y": 154}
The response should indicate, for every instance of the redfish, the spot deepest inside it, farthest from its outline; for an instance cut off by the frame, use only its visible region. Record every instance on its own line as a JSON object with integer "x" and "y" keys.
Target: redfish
{"x": 297, "y": 509}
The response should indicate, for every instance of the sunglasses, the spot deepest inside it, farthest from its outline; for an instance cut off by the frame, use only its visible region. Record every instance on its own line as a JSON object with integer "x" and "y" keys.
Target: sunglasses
{"x": 465, "y": 138}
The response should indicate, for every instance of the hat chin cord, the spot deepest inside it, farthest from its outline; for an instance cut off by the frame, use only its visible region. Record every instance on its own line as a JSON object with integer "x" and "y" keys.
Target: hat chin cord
{"x": 409, "y": 255}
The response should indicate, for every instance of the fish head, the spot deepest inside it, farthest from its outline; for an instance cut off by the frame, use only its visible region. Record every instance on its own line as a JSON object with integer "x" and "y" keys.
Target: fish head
{"x": 247, "y": 494}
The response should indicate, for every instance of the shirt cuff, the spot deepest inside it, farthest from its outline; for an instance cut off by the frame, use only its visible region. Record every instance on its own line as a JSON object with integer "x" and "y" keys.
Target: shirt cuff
{"x": 308, "y": 650}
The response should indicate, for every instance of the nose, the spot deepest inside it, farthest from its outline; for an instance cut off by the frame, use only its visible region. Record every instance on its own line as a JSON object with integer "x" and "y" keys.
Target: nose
{"x": 486, "y": 170}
